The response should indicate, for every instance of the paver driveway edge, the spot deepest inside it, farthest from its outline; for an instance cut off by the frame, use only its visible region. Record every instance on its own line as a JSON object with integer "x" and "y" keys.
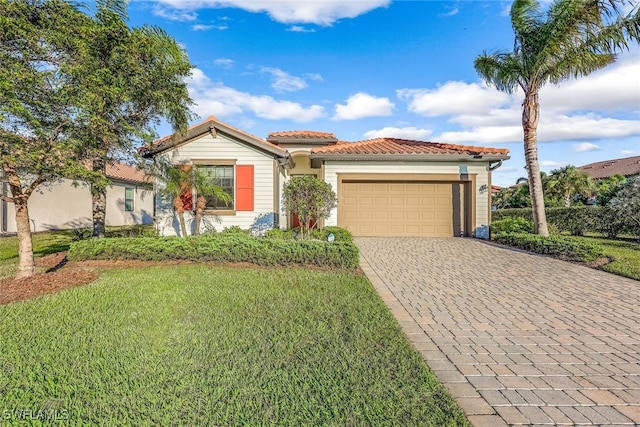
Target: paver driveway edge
{"x": 479, "y": 412}
{"x": 517, "y": 338}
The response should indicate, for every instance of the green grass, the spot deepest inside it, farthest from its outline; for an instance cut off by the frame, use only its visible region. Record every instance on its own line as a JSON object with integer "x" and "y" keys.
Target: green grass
{"x": 56, "y": 241}
{"x": 200, "y": 345}
{"x": 626, "y": 255}
{"x": 43, "y": 244}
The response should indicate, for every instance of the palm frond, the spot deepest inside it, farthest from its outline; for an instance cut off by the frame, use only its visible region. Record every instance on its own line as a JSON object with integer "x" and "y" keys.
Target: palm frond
{"x": 500, "y": 69}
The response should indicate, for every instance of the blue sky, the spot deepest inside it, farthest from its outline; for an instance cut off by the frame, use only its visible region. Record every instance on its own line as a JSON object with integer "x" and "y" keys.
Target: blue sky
{"x": 368, "y": 68}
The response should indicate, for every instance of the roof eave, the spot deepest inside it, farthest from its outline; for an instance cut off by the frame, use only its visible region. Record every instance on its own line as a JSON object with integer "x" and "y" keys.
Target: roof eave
{"x": 410, "y": 157}
{"x": 303, "y": 141}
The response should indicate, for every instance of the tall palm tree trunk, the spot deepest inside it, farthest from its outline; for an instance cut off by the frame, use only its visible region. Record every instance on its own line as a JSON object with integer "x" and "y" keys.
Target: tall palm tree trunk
{"x": 530, "y": 115}
{"x": 26, "y": 265}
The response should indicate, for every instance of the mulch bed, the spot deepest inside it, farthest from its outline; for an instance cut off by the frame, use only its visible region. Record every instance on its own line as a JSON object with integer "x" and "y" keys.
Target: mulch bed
{"x": 53, "y": 280}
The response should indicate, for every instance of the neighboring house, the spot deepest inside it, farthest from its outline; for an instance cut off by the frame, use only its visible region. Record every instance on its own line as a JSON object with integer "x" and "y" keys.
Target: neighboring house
{"x": 63, "y": 205}
{"x": 628, "y": 167}
{"x": 385, "y": 186}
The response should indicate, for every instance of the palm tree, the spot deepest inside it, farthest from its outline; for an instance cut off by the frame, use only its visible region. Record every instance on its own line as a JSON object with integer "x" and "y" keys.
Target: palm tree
{"x": 178, "y": 185}
{"x": 206, "y": 186}
{"x": 572, "y": 39}
{"x": 568, "y": 182}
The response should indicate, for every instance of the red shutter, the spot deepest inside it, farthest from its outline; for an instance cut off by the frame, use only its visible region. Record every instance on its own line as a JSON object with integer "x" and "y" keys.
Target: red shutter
{"x": 187, "y": 192}
{"x": 244, "y": 187}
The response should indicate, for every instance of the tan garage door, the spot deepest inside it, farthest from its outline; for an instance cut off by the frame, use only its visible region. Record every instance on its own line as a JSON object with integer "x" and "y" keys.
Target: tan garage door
{"x": 398, "y": 208}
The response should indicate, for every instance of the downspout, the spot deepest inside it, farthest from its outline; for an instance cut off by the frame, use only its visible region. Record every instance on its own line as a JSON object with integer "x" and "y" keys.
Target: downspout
{"x": 495, "y": 166}
{"x": 276, "y": 184}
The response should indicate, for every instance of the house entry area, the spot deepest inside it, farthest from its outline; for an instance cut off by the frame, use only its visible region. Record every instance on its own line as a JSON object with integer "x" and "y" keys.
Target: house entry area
{"x": 422, "y": 206}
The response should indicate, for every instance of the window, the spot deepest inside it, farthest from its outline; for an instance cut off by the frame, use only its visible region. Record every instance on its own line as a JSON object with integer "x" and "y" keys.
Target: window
{"x": 222, "y": 175}
{"x": 128, "y": 199}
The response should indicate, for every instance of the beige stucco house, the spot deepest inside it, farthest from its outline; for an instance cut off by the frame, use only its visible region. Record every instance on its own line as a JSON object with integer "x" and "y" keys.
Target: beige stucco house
{"x": 385, "y": 186}
{"x": 63, "y": 205}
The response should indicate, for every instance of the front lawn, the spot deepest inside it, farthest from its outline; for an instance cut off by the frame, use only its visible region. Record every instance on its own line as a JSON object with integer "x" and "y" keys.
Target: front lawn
{"x": 202, "y": 345}
{"x": 626, "y": 255}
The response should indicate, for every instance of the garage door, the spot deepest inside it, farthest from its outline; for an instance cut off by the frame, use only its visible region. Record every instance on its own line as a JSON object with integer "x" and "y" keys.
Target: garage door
{"x": 399, "y": 208}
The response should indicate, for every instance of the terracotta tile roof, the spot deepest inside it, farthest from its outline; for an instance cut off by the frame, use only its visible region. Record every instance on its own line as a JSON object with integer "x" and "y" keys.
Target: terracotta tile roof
{"x": 405, "y": 146}
{"x": 627, "y": 166}
{"x": 310, "y": 134}
{"x": 127, "y": 173}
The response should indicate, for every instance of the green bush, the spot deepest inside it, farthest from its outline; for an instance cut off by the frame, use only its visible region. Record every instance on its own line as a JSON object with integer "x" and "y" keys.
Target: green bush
{"x": 232, "y": 247}
{"x": 279, "y": 233}
{"x": 512, "y": 225}
{"x": 340, "y": 234}
{"x": 562, "y": 247}
{"x": 576, "y": 220}
{"x": 234, "y": 229}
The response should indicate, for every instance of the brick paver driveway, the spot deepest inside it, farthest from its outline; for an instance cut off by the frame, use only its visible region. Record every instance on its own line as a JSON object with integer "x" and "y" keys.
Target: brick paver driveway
{"x": 516, "y": 338}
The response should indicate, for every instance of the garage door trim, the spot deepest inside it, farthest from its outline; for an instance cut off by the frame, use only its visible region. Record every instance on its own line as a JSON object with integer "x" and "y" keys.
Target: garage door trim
{"x": 468, "y": 179}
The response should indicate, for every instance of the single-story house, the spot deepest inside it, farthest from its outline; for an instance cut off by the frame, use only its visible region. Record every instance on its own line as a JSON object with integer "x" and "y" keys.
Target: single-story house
{"x": 627, "y": 167}
{"x": 62, "y": 205}
{"x": 385, "y": 186}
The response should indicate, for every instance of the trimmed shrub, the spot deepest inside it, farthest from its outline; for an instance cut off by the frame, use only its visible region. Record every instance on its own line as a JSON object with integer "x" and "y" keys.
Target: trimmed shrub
{"x": 561, "y": 247}
{"x": 279, "y": 233}
{"x": 234, "y": 229}
{"x": 340, "y": 234}
{"x": 232, "y": 247}
{"x": 576, "y": 220}
{"x": 512, "y": 225}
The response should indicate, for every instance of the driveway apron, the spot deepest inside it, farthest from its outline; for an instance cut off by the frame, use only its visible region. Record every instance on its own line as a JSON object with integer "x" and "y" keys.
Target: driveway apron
{"x": 518, "y": 339}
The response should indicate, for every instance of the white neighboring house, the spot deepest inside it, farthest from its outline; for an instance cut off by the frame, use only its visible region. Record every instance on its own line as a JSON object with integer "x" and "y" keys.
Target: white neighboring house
{"x": 385, "y": 186}
{"x": 61, "y": 205}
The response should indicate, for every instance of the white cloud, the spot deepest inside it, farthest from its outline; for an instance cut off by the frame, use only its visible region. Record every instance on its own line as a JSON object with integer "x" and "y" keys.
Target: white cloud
{"x": 361, "y": 105}
{"x": 202, "y": 27}
{"x": 627, "y": 152}
{"x": 584, "y": 147}
{"x": 453, "y": 97}
{"x": 324, "y": 12}
{"x": 410, "y": 132}
{"x": 223, "y": 101}
{"x": 301, "y": 29}
{"x": 452, "y": 12}
{"x": 584, "y": 109}
{"x": 224, "y": 63}
{"x": 614, "y": 88}
{"x": 174, "y": 14}
{"x": 314, "y": 76}
{"x": 283, "y": 81}
{"x": 552, "y": 164}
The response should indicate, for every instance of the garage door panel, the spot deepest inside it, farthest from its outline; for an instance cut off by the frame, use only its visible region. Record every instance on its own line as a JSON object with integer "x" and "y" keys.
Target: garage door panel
{"x": 396, "y": 208}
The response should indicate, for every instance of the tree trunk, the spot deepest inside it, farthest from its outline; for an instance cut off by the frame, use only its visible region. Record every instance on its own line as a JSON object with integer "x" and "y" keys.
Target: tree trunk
{"x": 530, "y": 115}
{"x": 201, "y": 204}
{"x": 178, "y": 208}
{"x": 26, "y": 265}
{"x": 99, "y": 199}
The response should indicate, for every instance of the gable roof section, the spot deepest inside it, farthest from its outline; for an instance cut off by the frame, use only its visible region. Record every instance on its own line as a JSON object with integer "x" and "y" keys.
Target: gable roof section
{"x": 213, "y": 125}
{"x": 627, "y": 166}
{"x": 123, "y": 172}
{"x": 405, "y": 149}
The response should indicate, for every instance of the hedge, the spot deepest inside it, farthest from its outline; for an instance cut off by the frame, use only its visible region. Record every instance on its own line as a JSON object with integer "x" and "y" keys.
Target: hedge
{"x": 561, "y": 247}
{"x": 576, "y": 220}
{"x": 220, "y": 248}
